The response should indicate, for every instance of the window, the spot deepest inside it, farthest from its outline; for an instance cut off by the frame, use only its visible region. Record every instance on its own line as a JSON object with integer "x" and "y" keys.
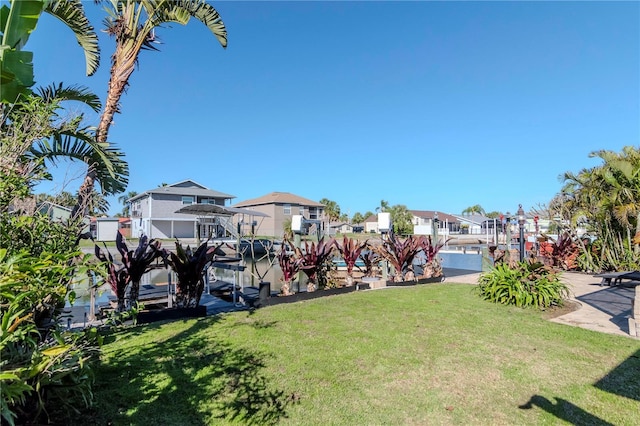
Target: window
{"x": 286, "y": 209}
{"x": 187, "y": 199}
{"x": 301, "y": 210}
{"x": 208, "y": 201}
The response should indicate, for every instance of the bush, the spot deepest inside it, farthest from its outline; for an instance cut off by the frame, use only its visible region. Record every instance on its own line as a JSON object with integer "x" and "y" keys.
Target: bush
{"x": 529, "y": 284}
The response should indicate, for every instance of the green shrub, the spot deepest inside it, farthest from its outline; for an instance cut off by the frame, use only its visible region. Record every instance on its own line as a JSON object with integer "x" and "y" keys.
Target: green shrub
{"x": 529, "y": 284}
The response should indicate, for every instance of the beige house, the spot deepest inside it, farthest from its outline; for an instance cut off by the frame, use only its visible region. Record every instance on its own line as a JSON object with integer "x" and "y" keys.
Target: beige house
{"x": 280, "y": 207}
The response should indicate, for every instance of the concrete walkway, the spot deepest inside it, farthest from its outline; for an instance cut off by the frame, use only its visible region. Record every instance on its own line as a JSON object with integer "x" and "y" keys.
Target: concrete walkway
{"x": 602, "y": 308}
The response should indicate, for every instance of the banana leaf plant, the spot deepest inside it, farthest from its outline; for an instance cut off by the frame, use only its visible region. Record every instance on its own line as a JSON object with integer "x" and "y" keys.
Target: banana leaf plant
{"x": 315, "y": 262}
{"x": 139, "y": 261}
{"x": 117, "y": 277}
{"x": 289, "y": 264}
{"x": 350, "y": 251}
{"x": 189, "y": 265}
{"x": 400, "y": 253}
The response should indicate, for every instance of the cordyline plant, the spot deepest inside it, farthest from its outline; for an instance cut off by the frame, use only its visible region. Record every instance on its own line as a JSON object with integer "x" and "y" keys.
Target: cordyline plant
{"x": 139, "y": 261}
{"x": 189, "y": 266}
{"x": 117, "y": 277}
{"x": 314, "y": 262}
{"x": 400, "y": 253}
{"x": 562, "y": 253}
{"x": 289, "y": 264}
{"x": 371, "y": 259}
{"x": 432, "y": 267}
{"x": 350, "y": 251}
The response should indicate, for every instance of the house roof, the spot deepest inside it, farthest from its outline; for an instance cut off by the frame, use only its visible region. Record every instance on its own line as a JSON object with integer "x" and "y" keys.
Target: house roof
{"x": 429, "y": 214}
{"x": 279, "y": 198}
{"x": 185, "y": 187}
{"x": 46, "y": 205}
{"x": 424, "y": 214}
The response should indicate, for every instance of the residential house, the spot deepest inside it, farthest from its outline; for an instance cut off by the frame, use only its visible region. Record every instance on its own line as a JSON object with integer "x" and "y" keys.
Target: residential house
{"x": 279, "y": 208}
{"x": 423, "y": 221}
{"x": 153, "y": 212}
{"x": 55, "y": 211}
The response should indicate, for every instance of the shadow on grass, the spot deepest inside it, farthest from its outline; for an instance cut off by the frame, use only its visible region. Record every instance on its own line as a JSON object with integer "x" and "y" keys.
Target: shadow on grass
{"x": 566, "y": 411}
{"x": 191, "y": 377}
{"x": 624, "y": 380}
{"x": 621, "y": 381}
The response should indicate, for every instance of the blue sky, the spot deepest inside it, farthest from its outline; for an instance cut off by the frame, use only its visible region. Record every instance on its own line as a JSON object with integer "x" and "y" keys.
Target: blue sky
{"x": 434, "y": 105}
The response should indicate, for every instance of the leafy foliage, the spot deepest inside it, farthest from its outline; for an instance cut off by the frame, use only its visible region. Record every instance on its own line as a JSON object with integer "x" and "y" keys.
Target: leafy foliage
{"x": 400, "y": 253}
{"x": 289, "y": 264}
{"x": 562, "y": 253}
{"x": 139, "y": 261}
{"x": 314, "y": 262}
{"x": 529, "y": 284}
{"x": 350, "y": 251}
{"x": 371, "y": 259}
{"x": 189, "y": 265}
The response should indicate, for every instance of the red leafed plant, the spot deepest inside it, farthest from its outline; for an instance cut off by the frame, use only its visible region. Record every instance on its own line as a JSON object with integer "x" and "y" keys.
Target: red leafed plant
{"x": 289, "y": 264}
{"x": 371, "y": 259}
{"x": 562, "y": 253}
{"x": 189, "y": 266}
{"x": 139, "y": 261}
{"x": 117, "y": 277}
{"x": 314, "y": 262}
{"x": 400, "y": 253}
{"x": 432, "y": 267}
{"x": 350, "y": 251}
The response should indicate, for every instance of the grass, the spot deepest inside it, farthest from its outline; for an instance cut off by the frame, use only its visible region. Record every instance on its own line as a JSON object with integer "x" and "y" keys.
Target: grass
{"x": 432, "y": 354}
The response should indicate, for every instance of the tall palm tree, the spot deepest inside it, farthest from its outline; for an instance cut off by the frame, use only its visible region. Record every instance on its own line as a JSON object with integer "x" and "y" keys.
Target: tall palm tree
{"x": 132, "y": 23}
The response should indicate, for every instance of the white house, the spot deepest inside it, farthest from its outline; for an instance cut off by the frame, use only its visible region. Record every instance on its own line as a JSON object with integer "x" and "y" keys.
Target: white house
{"x": 153, "y": 213}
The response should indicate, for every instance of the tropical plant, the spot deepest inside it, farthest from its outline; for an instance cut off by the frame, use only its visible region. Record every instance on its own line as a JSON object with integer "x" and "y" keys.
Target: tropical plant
{"x": 475, "y": 209}
{"x": 402, "y": 219}
{"x": 133, "y": 24}
{"x": 189, "y": 265}
{"x": 139, "y": 261}
{"x": 289, "y": 264}
{"x": 331, "y": 209}
{"x": 399, "y": 253}
{"x": 41, "y": 366}
{"x": 605, "y": 200}
{"x": 34, "y": 134}
{"x": 561, "y": 253}
{"x": 529, "y": 284}
{"x": 314, "y": 262}
{"x": 124, "y": 200}
{"x": 432, "y": 267}
{"x": 350, "y": 250}
{"x": 371, "y": 260}
{"x": 19, "y": 19}
{"x": 117, "y": 276}
{"x": 358, "y": 218}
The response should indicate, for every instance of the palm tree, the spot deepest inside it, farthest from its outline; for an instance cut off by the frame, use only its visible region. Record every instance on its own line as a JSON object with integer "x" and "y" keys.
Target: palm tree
{"x": 331, "y": 209}
{"x": 21, "y": 19}
{"x": 132, "y": 23}
{"x": 34, "y": 134}
{"x": 473, "y": 210}
{"x": 123, "y": 199}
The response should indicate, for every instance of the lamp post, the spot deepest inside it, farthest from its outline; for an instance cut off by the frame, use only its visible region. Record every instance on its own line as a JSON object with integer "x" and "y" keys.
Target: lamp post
{"x": 521, "y": 222}
{"x": 434, "y": 225}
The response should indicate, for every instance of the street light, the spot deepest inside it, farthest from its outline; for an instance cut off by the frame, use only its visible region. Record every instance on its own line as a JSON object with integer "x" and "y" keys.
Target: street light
{"x": 434, "y": 224}
{"x": 521, "y": 222}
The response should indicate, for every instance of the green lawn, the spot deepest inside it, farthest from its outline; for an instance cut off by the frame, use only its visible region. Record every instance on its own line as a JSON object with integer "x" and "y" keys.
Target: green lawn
{"x": 432, "y": 354}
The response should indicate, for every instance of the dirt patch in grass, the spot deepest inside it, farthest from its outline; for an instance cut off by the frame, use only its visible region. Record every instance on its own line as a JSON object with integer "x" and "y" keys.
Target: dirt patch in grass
{"x": 557, "y": 311}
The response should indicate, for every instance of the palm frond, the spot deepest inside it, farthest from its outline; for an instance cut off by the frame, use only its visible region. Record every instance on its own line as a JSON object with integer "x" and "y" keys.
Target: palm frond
{"x": 58, "y": 93}
{"x": 71, "y": 12}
